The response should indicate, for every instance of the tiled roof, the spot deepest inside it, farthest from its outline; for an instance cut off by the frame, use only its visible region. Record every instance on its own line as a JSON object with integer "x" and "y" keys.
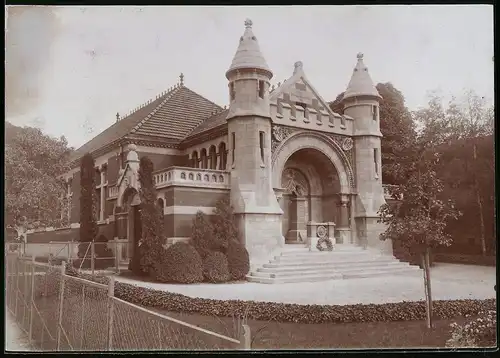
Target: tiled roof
{"x": 361, "y": 83}
{"x": 210, "y": 123}
{"x": 171, "y": 116}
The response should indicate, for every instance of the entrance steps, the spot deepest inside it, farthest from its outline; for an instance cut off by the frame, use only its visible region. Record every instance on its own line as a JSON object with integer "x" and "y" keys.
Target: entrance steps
{"x": 297, "y": 264}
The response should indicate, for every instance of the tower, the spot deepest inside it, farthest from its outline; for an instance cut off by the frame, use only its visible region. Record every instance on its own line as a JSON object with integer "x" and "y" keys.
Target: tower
{"x": 249, "y": 132}
{"x": 361, "y": 102}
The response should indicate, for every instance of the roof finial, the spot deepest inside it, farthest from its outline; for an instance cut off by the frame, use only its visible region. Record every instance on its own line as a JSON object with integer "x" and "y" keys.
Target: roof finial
{"x": 117, "y": 116}
{"x": 248, "y": 23}
{"x": 297, "y": 66}
{"x": 360, "y": 56}
{"x": 182, "y": 79}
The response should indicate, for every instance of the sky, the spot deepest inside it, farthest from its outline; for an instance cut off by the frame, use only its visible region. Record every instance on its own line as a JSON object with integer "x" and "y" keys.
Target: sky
{"x": 69, "y": 70}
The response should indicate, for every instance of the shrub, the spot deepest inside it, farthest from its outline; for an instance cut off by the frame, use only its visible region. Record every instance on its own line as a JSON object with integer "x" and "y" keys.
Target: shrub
{"x": 224, "y": 229}
{"x": 480, "y": 332}
{"x": 287, "y": 312}
{"x": 151, "y": 242}
{"x": 238, "y": 260}
{"x": 88, "y": 203}
{"x": 215, "y": 268}
{"x": 179, "y": 263}
{"x": 202, "y": 234}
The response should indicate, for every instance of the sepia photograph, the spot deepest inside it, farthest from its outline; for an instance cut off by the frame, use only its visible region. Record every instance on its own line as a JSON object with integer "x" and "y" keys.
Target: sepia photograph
{"x": 248, "y": 178}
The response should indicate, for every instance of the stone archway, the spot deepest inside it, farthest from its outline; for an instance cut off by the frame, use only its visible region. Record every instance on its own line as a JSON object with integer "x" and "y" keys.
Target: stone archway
{"x": 319, "y": 168}
{"x": 320, "y": 143}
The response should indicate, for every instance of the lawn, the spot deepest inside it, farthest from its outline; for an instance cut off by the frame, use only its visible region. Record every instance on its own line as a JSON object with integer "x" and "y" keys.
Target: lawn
{"x": 274, "y": 335}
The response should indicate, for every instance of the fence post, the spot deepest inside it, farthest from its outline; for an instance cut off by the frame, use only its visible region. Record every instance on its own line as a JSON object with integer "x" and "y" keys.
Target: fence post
{"x": 32, "y": 298}
{"x": 25, "y": 293}
{"x": 92, "y": 253}
{"x": 61, "y": 301}
{"x": 16, "y": 291}
{"x": 117, "y": 258}
{"x": 110, "y": 311}
{"x": 245, "y": 338}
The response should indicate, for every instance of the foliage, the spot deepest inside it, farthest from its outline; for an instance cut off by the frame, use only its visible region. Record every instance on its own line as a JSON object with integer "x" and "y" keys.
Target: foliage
{"x": 33, "y": 162}
{"x": 179, "y": 263}
{"x": 215, "y": 267}
{"x": 324, "y": 241}
{"x": 202, "y": 234}
{"x": 479, "y": 332}
{"x": 150, "y": 245}
{"x": 88, "y": 203}
{"x": 395, "y": 124}
{"x": 238, "y": 260}
{"x": 214, "y": 234}
{"x": 288, "y": 312}
{"x": 418, "y": 220}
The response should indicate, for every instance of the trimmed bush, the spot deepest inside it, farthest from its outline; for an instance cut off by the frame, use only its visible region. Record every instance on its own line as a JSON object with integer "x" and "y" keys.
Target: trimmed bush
{"x": 202, "y": 234}
{"x": 287, "y": 312}
{"x": 215, "y": 268}
{"x": 238, "y": 260}
{"x": 179, "y": 263}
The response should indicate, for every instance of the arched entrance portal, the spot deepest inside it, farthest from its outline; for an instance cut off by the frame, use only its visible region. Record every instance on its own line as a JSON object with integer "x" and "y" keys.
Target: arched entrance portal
{"x": 132, "y": 206}
{"x": 311, "y": 193}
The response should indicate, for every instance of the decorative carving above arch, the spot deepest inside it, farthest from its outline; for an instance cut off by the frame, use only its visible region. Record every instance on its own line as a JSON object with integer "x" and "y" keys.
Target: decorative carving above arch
{"x": 294, "y": 182}
{"x": 328, "y": 144}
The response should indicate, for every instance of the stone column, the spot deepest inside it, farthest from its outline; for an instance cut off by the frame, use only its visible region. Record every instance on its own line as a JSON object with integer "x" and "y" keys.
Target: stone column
{"x": 297, "y": 221}
{"x": 344, "y": 212}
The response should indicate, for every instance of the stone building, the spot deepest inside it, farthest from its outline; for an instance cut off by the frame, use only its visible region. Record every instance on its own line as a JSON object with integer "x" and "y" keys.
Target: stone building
{"x": 285, "y": 160}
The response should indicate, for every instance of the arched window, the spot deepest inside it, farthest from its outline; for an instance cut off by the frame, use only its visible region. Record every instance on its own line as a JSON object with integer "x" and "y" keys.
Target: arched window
{"x": 160, "y": 203}
{"x": 213, "y": 157}
{"x": 204, "y": 159}
{"x": 195, "y": 160}
{"x": 223, "y": 156}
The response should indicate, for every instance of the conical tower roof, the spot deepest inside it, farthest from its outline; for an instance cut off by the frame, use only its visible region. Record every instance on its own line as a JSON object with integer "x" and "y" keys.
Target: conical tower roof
{"x": 248, "y": 54}
{"x": 361, "y": 83}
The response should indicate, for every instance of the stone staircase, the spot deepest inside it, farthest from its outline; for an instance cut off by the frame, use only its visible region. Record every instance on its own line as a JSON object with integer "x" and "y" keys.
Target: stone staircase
{"x": 297, "y": 264}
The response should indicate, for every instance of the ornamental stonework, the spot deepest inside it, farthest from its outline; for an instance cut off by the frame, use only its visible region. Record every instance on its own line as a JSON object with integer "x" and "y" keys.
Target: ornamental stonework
{"x": 347, "y": 146}
{"x": 279, "y": 134}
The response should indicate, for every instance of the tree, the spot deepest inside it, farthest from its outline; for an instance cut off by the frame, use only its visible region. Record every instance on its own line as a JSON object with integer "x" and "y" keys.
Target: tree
{"x": 33, "y": 190}
{"x": 396, "y": 125}
{"x": 472, "y": 120}
{"x": 88, "y": 204}
{"x": 151, "y": 243}
{"x": 418, "y": 219}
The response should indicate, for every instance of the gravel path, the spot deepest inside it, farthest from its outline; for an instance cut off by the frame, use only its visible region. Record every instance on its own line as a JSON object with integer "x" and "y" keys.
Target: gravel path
{"x": 449, "y": 281}
{"x": 15, "y": 339}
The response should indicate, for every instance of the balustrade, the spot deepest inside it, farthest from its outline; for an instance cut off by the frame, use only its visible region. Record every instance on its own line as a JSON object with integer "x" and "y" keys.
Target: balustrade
{"x": 191, "y": 177}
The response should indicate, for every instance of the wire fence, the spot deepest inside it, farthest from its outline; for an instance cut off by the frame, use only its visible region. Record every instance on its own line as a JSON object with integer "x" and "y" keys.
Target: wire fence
{"x": 90, "y": 257}
{"x": 59, "y": 312}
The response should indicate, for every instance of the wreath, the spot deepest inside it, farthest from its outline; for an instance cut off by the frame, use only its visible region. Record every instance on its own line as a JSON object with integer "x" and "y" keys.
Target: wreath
{"x": 324, "y": 244}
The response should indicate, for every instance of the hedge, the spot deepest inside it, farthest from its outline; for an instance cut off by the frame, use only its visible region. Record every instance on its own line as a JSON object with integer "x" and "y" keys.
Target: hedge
{"x": 286, "y": 312}
{"x": 466, "y": 259}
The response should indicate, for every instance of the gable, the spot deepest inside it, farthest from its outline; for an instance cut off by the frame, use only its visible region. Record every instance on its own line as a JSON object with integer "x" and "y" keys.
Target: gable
{"x": 298, "y": 90}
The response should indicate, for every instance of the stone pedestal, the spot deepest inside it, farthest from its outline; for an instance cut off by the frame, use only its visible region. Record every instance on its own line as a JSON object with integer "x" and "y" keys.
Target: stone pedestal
{"x": 298, "y": 231}
{"x": 313, "y": 234}
{"x": 343, "y": 236}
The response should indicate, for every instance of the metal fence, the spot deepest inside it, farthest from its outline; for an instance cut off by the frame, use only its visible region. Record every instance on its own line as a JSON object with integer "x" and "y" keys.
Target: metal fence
{"x": 59, "y": 312}
{"x": 94, "y": 256}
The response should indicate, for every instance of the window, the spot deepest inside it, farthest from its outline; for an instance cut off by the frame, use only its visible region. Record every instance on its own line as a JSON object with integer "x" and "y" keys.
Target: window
{"x": 213, "y": 157}
{"x": 300, "y": 104}
{"x": 375, "y": 160}
{"x": 232, "y": 93}
{"x": 204, "y": 159}
{"x": 342, "y": 121}
{"x": 233, "y": 145}
{"x": 374, "y": 113}
{"x": 261, "y": 89}
{"x": 222, "y": 156}
{"x": 195, "y": 159}
{"x": 261, "y": 140}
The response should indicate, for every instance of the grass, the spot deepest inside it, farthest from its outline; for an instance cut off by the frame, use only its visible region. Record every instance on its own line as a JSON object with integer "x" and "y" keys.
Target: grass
{"x": 275, "y": 335}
